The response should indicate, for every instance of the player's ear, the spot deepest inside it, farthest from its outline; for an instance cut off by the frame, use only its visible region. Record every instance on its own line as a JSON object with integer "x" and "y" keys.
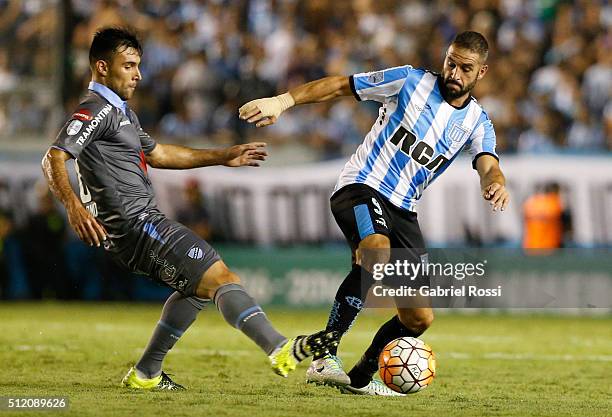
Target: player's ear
{"x": 483, "y": 71}
{"x": 102, "y": 67}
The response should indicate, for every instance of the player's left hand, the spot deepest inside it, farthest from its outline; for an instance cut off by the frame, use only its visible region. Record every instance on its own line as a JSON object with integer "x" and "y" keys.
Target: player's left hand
{"x": 265, "y": 111}
{"x": 497, "y": 195}
{"x": 248, "y": 154}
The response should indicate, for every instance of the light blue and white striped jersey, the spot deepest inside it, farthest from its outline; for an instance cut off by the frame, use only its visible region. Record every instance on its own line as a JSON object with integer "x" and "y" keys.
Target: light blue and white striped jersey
{"x": 417, "y": 134}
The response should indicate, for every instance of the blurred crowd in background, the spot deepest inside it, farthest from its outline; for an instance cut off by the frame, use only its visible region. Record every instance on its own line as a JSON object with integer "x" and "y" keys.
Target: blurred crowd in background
{"x": 548, "y": 88}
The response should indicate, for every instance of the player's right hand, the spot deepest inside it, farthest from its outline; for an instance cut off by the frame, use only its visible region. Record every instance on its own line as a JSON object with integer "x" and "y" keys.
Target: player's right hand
{"x": 85, "y": 225}
{"x": 265, "y": 111}
{"x": 497, "y": 195}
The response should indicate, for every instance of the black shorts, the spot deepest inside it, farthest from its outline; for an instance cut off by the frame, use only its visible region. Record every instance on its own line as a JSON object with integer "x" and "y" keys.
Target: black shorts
{"x": 164, "y": 250}
{"x": 361, "y": 211}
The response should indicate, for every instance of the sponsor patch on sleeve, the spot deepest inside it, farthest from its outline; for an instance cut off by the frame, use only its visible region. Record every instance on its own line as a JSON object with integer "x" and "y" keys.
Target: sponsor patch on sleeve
{"x": 376, "y": 77}
{"x": 93, "y": 124}
{"x": 74, "y": 127}
{"x": 83, "y": 115}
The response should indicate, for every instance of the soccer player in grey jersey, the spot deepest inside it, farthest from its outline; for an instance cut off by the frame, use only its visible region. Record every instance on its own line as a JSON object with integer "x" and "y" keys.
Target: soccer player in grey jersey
{"x": 117, "y": 210}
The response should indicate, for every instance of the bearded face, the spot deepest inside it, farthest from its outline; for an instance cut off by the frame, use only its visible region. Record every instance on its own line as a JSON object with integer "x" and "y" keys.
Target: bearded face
{"x": 462, "y": 70}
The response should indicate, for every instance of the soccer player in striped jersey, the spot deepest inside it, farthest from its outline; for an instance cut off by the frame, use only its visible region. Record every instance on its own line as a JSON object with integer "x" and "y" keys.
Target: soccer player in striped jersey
{"x": 425, "y": 121}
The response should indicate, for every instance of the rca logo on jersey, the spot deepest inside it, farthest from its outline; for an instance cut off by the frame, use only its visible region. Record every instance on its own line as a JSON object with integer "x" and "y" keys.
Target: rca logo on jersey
{"x": 94, "y": 124}
{"x": 124, "y": 123}
{"x": 421, "y": 152}
{"x": 83, "y": 115}
{"x": 74, "y": 127}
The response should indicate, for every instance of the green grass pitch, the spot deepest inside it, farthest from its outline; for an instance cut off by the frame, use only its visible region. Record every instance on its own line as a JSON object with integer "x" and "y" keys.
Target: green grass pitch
{"x": 488, "y": 365}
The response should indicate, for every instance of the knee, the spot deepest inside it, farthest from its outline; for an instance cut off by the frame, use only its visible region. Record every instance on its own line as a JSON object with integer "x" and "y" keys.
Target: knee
{"x": 374, "y": 249}
{"x": 215, "y": 277}
{"x": 227, "y": 277}
{"x": 417, "y": 321}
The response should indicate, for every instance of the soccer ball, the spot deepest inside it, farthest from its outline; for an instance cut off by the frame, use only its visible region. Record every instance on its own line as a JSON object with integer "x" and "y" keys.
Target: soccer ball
{"x": 407, "y": 365}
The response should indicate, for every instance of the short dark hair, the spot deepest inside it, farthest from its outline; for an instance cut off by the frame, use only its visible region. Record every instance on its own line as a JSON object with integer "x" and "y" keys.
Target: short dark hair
{"x": 110, "y": 40}
{"x": 472, "y": 41}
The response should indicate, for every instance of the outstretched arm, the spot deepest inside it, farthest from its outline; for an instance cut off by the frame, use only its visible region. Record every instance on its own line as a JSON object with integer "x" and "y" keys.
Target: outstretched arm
{"x": 492, "y": 182}
{"x": 265, "y": 111}
{"x": 325, "y": 89}
{"x": 81, "y": 221}
{"x": 181, "y": 157}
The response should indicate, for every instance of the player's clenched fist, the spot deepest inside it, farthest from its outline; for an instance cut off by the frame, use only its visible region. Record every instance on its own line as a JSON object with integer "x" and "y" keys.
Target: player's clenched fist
{"x": 85, "y": 225}
{"x": 497, "y": 195}
{"x": 265, "y": 111}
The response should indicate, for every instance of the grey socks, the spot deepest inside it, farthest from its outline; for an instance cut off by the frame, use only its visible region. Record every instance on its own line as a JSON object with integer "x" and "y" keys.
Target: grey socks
{"x": 178, "y": 314}
{"x": 240, "y": 311}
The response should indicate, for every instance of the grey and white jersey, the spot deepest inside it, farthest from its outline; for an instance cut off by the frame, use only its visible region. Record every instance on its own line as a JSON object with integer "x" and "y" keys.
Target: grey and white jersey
{"x": 109, "y": 147}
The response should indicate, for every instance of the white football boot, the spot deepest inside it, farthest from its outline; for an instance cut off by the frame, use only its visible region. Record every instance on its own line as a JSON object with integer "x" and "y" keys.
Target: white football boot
{"x": 375, "y": 387}
{"x": 327, "y": 371}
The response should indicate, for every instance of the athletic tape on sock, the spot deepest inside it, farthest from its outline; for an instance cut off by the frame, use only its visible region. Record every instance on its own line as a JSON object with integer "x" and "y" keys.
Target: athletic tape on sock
{"x": 171, "y": 329}
{"x": 246, "y": 315}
